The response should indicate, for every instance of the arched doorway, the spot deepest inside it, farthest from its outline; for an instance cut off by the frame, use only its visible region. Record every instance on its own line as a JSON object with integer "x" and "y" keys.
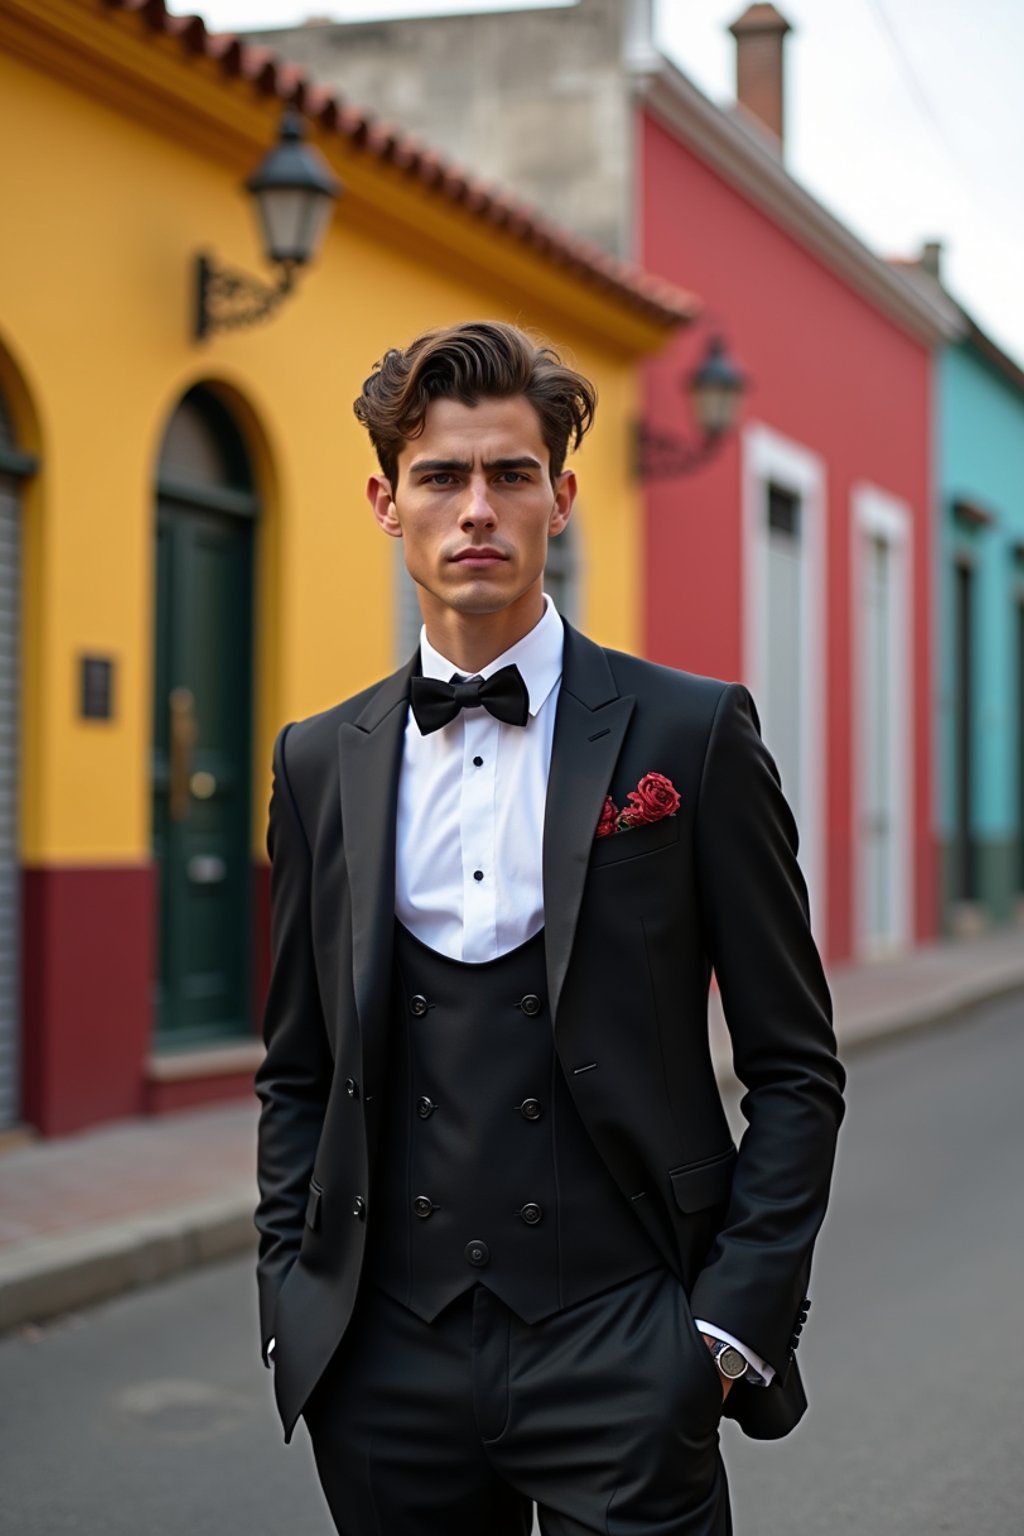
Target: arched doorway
{"x": 202, "y": 727}
{"x": 14, "y": 467}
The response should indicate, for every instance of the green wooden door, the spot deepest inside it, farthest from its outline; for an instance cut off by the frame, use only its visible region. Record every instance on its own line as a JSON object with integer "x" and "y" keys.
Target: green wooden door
{"x": 201, "y": 758}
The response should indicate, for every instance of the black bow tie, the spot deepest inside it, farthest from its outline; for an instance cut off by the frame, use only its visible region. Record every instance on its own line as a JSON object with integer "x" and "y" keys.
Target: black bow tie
{"x": 504, "y": 695}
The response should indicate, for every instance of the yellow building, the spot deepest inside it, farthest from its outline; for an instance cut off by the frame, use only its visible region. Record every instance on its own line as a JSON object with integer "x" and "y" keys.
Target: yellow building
{"x": 187, "y": 557}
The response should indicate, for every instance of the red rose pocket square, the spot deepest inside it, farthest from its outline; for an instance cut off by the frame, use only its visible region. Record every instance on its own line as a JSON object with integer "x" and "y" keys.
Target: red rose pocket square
{"x": 654, "y": 798}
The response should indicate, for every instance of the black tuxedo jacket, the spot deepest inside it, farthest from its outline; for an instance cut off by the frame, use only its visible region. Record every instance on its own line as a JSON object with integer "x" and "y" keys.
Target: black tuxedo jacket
{"x": 634, "y": 925}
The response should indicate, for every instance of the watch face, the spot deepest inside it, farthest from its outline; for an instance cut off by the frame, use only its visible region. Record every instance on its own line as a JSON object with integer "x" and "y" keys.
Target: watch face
{"x": 731, "y": 1363}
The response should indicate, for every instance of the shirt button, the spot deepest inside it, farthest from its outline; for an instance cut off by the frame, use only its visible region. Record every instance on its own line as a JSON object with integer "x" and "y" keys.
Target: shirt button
{"x": 531, "y": 1109}
{"x": 423, "y": 1206}
{"x": 530, "y": 1004}
{"x": 531, "y": 1213}
{"x": 418, "y": 1005}
{"x": 477, "y": 1254}
{"x": 478, "y": 874}
{"x": 478, "y": 762}
{"x": 425, "y": 1107}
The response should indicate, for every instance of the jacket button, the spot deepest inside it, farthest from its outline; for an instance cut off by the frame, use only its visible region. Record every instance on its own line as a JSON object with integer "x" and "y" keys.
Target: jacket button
{"x": 351, "y": 1087}
{"x": 531, "y": 1109}
{"x": 425, "y": 1107}
{"x": 477, "y": 1254}
{"x": 530, "y": 1004}
{"x": 418, "y": 1005}
{"x": 359, "y": 1207}
{"x": 531, "y": 1213}
{"x": 423, "y": 1206}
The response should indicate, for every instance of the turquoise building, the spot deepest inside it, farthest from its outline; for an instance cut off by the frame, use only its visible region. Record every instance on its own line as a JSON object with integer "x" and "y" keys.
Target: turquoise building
{"x": 980, "y": 628}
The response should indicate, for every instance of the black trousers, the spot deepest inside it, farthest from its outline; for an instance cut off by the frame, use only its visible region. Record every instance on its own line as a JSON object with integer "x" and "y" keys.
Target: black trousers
{"x": 605, "y": 1415}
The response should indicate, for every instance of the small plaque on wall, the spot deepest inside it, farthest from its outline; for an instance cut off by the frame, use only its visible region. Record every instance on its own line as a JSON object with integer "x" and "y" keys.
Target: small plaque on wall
{"x": 97, "y": 695}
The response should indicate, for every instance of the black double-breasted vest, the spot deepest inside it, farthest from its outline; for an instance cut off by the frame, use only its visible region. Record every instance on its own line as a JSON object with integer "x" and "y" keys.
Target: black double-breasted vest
{"x": 485, "y": 1172}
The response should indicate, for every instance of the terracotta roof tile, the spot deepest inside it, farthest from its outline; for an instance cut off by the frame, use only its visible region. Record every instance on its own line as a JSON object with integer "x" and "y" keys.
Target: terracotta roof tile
{"x": 271, "y": 76}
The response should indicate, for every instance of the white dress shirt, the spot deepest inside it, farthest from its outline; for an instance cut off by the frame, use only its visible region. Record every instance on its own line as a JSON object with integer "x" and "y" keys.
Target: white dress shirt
{"x": 470, "y": 826}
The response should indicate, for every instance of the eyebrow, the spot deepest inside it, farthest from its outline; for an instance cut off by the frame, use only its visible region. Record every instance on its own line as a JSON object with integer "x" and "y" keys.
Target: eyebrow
{"x": 426, "y": 466}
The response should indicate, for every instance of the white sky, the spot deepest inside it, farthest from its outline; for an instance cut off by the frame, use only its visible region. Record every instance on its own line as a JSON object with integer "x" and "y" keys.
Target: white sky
{"x": 903, "y": 116}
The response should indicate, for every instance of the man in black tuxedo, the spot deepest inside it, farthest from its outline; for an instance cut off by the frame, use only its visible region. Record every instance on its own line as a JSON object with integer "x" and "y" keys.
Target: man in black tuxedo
{"x": 509, "y": 1253}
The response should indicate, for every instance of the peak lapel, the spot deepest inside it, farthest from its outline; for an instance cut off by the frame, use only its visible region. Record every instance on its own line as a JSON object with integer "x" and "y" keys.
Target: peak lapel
{"x": 590, "y": 725}
{"x": 369, "y": 762}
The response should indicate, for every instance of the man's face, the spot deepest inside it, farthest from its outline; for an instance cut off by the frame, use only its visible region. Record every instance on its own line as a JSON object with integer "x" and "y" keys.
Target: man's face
{"x": 475, "y": 505}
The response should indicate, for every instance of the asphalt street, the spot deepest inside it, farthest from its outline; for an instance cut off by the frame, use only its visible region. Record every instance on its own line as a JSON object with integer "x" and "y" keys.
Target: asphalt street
{"x": 153, "y": 1415}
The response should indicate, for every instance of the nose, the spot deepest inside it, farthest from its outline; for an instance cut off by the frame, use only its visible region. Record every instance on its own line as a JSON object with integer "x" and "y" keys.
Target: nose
{"x": 477, "y": 511}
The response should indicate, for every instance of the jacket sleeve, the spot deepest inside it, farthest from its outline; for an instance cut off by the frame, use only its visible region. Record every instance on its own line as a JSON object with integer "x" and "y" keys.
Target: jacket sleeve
{"x": 294, "y": 1079}
{"x": 778, "y": 1011}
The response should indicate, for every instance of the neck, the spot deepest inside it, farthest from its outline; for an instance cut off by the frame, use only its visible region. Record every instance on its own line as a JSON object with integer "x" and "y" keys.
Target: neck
{"x": 471, "y": 641}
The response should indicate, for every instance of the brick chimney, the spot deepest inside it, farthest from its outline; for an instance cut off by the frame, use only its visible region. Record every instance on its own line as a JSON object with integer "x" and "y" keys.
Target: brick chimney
{"x": 760, "y": 33}
{"x": 930, "y": 259}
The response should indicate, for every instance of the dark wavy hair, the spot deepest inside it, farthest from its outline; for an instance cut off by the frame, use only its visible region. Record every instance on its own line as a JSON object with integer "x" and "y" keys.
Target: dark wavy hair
{"x": 481, "y": 359}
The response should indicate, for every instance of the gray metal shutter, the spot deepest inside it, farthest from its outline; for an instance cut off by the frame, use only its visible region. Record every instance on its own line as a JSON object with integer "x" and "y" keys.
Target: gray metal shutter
{"x": 10, "y": 924}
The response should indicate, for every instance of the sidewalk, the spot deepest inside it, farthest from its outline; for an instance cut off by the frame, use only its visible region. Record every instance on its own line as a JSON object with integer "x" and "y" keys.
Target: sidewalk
{"x": 89, "y": 1216}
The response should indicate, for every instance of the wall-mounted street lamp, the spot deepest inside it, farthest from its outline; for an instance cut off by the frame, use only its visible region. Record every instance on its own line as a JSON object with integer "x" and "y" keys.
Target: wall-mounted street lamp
{"x": 294, "y": 192}
{"x": 714, "y": 388}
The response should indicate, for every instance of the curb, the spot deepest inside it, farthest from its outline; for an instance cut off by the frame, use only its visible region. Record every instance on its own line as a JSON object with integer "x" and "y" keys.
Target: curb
{"x": 51, "y": 1276}
{"x": 936, "y": 1013}
{"x": 47, "y": 1278}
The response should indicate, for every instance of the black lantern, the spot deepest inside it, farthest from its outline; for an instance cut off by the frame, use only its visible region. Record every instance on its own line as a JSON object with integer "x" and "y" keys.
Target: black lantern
{"x": 294, "y": 192}
{"x": 714, "y": 388}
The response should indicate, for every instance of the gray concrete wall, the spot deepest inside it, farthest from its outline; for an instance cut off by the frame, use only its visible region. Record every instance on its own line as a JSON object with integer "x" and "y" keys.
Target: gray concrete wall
{"x": 535, "y": 101}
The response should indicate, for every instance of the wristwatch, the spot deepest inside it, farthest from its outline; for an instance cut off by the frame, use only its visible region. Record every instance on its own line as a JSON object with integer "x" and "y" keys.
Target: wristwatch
{"x": 731, "y": 1364}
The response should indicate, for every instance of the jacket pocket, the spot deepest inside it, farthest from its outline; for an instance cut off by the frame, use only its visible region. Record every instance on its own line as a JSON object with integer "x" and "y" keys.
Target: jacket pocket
{"x": 313, "y": 1206}
{"x": 708, "y": 1182}
{"x": 634, "y": 841}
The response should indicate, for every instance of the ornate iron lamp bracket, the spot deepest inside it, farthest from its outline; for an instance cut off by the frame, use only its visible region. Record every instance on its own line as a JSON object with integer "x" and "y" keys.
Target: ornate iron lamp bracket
{"x": 661, "y": 455}
{"x": 228, "y": 300}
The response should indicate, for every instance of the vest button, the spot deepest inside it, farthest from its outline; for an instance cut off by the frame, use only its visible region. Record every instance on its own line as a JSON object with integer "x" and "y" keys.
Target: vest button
{"x": 530, "y": 1004}
{"x": 531, "y": 1109}
{"x": 418, "y": 1005}
{"x": 351, "y": 1087}
{"x": 425, "y": 1107}
{"x": 423, "y": 1206}
{"x": 359, "y": 1207}
{"x": 531, "y": 1213}
{"x": 477, "y": 1254}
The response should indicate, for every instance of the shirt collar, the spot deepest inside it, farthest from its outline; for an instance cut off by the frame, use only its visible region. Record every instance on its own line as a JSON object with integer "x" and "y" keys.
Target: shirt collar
{"x": 538, "y": 655}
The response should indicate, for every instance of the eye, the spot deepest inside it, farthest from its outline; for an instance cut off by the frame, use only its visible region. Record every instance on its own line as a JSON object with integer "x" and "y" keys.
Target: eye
{"x": 512, "y": 476}
{"x": 441, "y": 477}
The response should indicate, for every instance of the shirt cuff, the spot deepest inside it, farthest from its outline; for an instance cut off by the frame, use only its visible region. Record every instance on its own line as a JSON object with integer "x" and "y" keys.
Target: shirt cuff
{"x": 760, "y": 1366}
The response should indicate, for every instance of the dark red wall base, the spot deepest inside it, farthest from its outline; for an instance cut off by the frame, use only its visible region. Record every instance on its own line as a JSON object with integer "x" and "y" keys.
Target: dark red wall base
{"x": 194, "y": 1092}
{"x": 87, "y": 968}
{"x": 89, "y": 955}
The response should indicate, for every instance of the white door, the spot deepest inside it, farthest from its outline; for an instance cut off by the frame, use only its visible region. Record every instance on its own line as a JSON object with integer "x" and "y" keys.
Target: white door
{"x": 782, "y": 706}
{"x": 878, "y": 846}
{"x": 883, "y": 721}
{"x": 784, "y": 629}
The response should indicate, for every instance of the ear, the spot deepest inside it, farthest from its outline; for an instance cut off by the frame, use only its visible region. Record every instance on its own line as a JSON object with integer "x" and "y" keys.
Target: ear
{"x": 565, "y": 496}
{"x": 378, "y": 494}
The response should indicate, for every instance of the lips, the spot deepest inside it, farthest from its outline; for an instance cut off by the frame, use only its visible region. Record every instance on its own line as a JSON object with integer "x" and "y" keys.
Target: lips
{"x": 482, "y": 556}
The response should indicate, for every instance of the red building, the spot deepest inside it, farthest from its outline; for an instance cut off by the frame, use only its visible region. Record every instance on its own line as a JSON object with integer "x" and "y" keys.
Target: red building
{"x": 800, "y": 558}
